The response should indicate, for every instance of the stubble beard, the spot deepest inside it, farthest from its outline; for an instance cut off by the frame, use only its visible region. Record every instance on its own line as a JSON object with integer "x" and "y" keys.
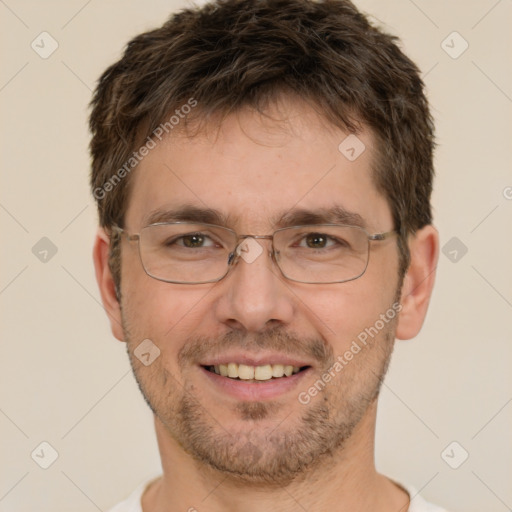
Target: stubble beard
{"x": 274, "y": 455}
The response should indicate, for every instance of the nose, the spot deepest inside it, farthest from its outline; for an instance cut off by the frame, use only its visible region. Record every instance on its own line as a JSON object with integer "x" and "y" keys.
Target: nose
{"x": 253, "y": 296}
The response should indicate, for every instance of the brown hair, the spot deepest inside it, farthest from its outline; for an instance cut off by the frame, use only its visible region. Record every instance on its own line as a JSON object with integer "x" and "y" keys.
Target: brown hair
{"x": 234, "y": 53}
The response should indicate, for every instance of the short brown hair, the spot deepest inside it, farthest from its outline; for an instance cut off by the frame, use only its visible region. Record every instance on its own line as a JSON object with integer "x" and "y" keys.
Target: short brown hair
{"x": 230, "y": 54}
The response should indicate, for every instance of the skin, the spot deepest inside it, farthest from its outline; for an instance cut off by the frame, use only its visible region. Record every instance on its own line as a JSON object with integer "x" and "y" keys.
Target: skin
{"x": 222, "y": 453}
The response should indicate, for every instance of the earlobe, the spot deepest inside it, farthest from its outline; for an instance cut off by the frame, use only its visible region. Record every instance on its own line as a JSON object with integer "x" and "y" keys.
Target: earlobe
{"x": 418, "y": 282}
{"x": 106, "y": 283}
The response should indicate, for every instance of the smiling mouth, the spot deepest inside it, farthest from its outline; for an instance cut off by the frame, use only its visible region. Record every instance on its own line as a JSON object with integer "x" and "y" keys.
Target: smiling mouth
{"x": 245, "y": 372}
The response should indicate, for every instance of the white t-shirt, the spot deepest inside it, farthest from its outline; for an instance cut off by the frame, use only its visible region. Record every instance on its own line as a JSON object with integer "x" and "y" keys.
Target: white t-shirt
{"x": 133, "y": 502}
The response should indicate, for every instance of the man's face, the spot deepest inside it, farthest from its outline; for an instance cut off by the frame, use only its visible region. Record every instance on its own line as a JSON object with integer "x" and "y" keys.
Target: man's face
{"x": 252, "y": 171}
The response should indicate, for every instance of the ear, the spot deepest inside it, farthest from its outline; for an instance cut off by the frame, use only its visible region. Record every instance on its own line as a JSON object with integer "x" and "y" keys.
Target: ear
{"x": 106, "y": 284}
{"x": 418, "y": 282}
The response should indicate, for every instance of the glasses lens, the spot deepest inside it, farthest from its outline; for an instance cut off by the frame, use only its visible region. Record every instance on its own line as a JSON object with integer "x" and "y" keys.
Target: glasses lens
{"x": 186, "y": 253}
{"x": 198, "y": 253}
{"x": 322, "y": 253}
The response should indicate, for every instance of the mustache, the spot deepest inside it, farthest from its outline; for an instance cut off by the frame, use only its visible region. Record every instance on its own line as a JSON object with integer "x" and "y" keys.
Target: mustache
{"x": 201, "y": 347}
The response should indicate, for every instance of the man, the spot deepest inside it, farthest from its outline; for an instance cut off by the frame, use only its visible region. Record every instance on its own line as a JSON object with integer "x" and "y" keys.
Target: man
{"x": 263, "y": 171}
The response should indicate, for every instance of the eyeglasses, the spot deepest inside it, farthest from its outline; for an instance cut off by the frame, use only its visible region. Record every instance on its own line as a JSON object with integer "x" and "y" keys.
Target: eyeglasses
{"x": 189, "y": 253}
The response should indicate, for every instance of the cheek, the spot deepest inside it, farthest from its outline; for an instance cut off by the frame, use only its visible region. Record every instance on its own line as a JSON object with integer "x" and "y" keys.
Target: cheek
{"x": 163, "y": 312}
{"x": 343, "y": 312}
{"x": 149, "y": 304}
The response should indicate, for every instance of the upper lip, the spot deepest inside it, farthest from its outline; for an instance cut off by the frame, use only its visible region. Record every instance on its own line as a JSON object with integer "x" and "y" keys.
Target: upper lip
{"x": 256, "y": 359}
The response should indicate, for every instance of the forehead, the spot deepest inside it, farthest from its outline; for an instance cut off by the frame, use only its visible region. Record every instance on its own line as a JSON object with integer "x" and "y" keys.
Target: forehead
{"x": 252, "y": 170}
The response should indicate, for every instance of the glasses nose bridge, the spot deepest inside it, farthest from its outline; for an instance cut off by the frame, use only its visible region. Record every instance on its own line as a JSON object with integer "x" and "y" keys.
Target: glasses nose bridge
{"x": 236, "y": 253}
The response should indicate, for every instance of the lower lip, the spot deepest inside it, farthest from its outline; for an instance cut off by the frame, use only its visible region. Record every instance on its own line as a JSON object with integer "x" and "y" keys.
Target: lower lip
{"x": 254, "y": 391}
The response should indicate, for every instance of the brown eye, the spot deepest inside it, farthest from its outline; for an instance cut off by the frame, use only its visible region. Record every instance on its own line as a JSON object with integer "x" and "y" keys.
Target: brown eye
{"x": 193, "y": 241}
{"x": 316, "y": 241}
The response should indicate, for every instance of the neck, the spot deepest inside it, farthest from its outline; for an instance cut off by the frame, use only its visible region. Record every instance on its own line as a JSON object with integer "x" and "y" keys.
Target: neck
{"x": 347, "y": 481}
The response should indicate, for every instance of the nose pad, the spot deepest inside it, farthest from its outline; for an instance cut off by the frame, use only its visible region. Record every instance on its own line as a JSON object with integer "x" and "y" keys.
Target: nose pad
{"x": 233, "y": 258}
{"x": 235, "y": 255}
{"x": 242, "y": 248}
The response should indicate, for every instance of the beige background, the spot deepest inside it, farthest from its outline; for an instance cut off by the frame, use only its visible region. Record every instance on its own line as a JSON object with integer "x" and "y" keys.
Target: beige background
{"x": 66, "y": 381}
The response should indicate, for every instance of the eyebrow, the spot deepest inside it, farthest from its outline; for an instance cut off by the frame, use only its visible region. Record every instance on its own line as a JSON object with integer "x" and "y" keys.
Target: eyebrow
{"x": 333, "y": 215}
{"x": 187, "y": 213}
{"x": 295, "y": 217}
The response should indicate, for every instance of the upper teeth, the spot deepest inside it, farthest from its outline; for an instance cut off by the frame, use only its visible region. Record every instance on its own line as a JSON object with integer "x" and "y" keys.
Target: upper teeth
{"x": 246, "y": 372}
